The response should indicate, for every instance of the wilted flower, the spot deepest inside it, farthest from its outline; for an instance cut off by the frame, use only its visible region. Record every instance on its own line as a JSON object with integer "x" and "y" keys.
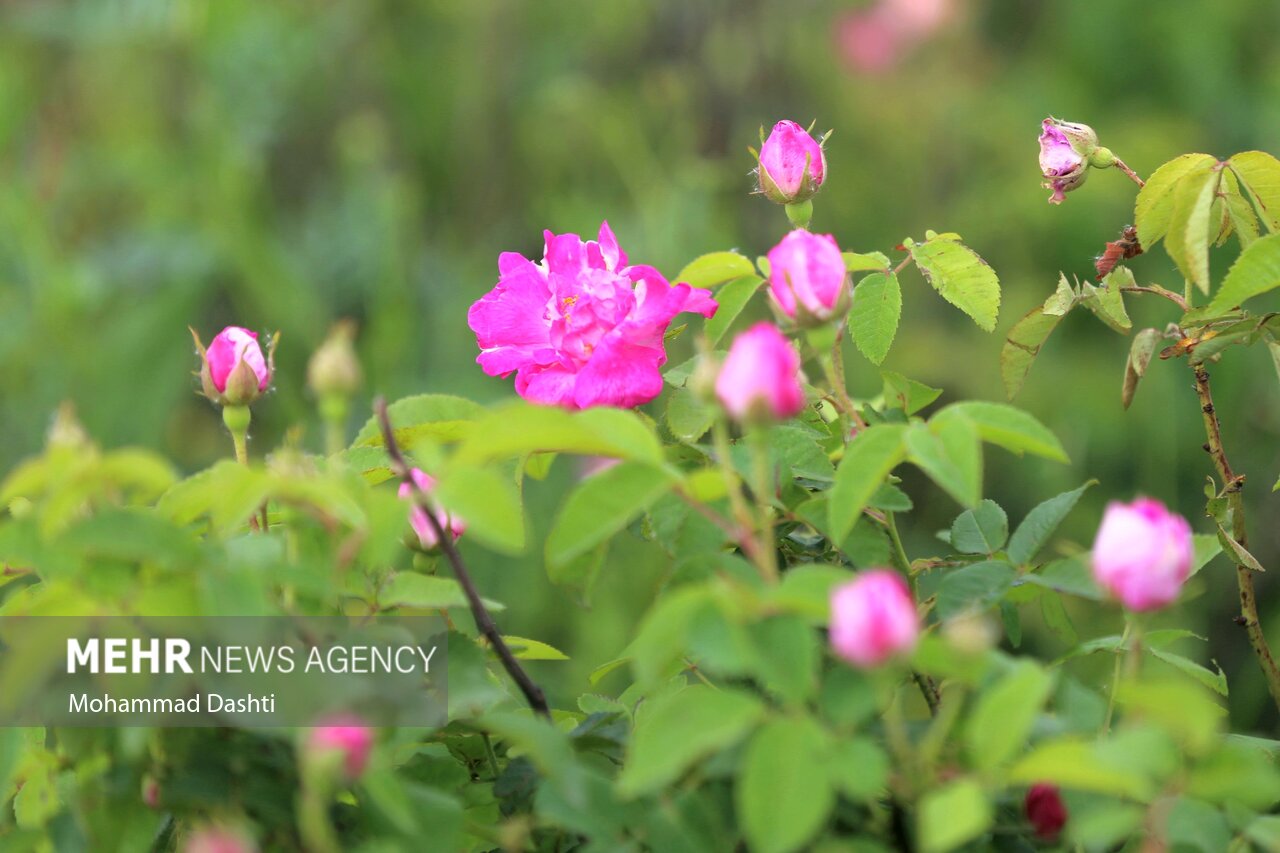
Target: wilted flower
{"x": 1142, "y": 554}
{"x": 873, "y": 618}
{"x": 792, "y": 166}
{"x": 807, "y": 276}
{"x": 582, "y": 328}
{"x": 1045, "y": 810}
{"x": 233, "y": 370}
{"x": 1066, "y": 151}
{"x": 347, "y": 736}
{"x": 760, "y": 378}
{"x": 418, "y": 516}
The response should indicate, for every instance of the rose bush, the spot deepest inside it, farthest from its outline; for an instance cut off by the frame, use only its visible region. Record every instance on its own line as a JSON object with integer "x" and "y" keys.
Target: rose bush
{"x": 800, "y": 680}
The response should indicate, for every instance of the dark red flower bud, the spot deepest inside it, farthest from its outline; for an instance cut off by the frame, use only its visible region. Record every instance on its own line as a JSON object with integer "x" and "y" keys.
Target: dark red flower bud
{"x": 1045, "y": 810}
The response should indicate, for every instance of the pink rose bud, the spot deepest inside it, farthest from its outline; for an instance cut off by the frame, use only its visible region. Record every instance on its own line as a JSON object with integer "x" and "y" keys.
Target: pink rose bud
{"x": 583, "y": 327}
{"x": 1143, "y": 554}
{"x": 1067, "y": 149}
{"x": 760, "y": 378}
{"x": 1045, "y": 810}
{"x": 233, "y": 370}
{"x": 150, "y": 792}
{"x": 873, "y": 619}
{"x": 807, "y": 277}
{"x": 218, "y": 839}
{"x": 418, "y": 515}
{"x": 346, "y": 736}
{"x": 791, "y": 164}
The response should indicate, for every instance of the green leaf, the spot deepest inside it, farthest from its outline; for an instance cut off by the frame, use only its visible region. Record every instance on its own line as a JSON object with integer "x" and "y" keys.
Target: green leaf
{"x": 1256, "y": 271}
{"x": 1038, "y": 526}
{"x": 526, "y": 649}
{"x": 517, "y": 428}
{"x": 858, "y": 767}
{"x": 854, "y": 262}
{"x": 1260, "y": 173}
{"x": 1004, "y": 714}
{"x": 732, "y": 298}
{"x": 1237, "y": 552}
{"x": 1008, "y": 427}
{"x": 688, "y": 417}
{"x": 410, "y": 589}
{"x": 1187, "y": 241}
{"x": 1107, "y": 301}
{"x": 874, "y": 315}
{"x": 781, "y": 801}
{"x": 982, "y": 530}
{"x": 907, "y": 394}
{"x": 602, "y": 505}
{"x": 487, "y": 499}
{"x": 1073, "y": 763}
{"x": 948, "y": 450}
{"x": 868, "y": 459}
{"x": 679, "y": 730}
{"x": 1214, "y": 679}
{"x": 1154, "y": 207}
{"x": 1022, "y": 346}
{"x": 974, "y": 587}
{"x": 953, "y": 815}
{"x": 961, "y": 277}
{"x": 438, "y": 416}
{"x": 1140, "y": 352}
{"x": 1240, "y": 213}
{"x": 715, "y": 268}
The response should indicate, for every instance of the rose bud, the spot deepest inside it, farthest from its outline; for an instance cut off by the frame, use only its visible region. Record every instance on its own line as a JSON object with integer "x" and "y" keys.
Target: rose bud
{"x": 150, "y": 792}
{"x": 873, "y": 619}
{"x": 233, "y": 370}
{"x": 334, "y": 368}
{"x": 418, "y": 516}
{"x": 807, "y": 277}
{"x": 348, "y": 738}
{"x": 760, "y": 378}
{"x": 791, "y": 164}
{"x": 1142, "y": 554}
{"x": 1066, "y": 151}
{"x": 218, "y": 839}
{"x": 1045, "y": 810}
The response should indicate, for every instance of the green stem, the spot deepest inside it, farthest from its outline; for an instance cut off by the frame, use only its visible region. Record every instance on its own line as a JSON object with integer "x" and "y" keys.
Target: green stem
{"x": 833, "y": 366}
{"x": 763, "y": 487}
{"x": 741, "y": 513}
{"x": 333, "y": 410}
{"x": 899, "y": 552}
{"x": 490, "y": 754}
{"x": 1115, "y": 678}
{"x": 237, "y": 420}
{"x": 313, "y": 819}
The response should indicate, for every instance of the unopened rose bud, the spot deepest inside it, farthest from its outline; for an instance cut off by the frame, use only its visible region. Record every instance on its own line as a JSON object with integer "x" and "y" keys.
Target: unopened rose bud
{"x": 1045, "y": 810}
{"x": 808, "y": 278}
{"x": 150, "y": 792}
{"x": 67, "y": 431}
{"x": 873, "y": 619}
{"x": 233, "y": 370}
{"x": 1067, "y": 150}
{"x": 791, "y": 166}
{"x": 418, "y": 516}
{"x": 346, "y": 737}
{"x": 334, "y": 368}
{"x": 219, "y": 839}
{"x": 1142, "y": 554}
{"x": 760, "y": 378}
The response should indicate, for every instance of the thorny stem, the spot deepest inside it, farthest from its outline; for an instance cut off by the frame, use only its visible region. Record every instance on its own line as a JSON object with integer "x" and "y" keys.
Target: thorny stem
{"x": 1133, "y": 176}
{"x": 837, "y": 380}
{"x": 484, "y": 621}
{"x": 1232, "y": 484}
{"x": 744, "y": 523}
{"x": 1160, "y": 291}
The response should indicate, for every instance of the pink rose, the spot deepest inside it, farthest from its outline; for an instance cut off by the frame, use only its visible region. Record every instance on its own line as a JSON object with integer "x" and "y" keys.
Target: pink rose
{"x": 219, "y": 839}
{"x": 233, "y": 370}
{"x": 418, "y": 515}
{"x": 873, "y": 619}
{"x": 582, "y": 328}
{"x": 347, "y": 736}
{"x": 807, "y": 276}
{"x": 1143, "y": 554}
{"x": 760, "y": 376}
{"x": 792, "y": 165}
{"x": 1065, "y": 149}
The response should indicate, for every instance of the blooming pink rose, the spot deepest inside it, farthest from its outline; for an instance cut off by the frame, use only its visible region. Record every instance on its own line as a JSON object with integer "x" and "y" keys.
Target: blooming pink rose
{"x": 873, "y": 618}
{"x": 1065, "y": 148}
{"x": 1143, "y": 554}
{"x": 920, "y": 18}
{"x": 582, "y": 328}
{"x": 807, "y": 276}
{"x": 219, "y": 839}
{"x": 760, "y": 376}
{"x": 233, "y": 370}
{"x": 869, "y": 41}
{"x": 792, "y": 165}
{"x": 347, "y": 736}
{"x": 418, "y": 515}
{"x": 1046, "y": 811}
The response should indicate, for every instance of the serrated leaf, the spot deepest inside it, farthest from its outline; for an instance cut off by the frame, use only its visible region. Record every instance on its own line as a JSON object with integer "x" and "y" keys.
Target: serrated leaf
{"x": 1107, "y": 301}
{"x": 952, "y": 815}
{"x": 961, "y": 277}
{"x": 688, "y": 417}
{"x": 439, "y": 416}
{"x": 1260, "y": 173}
{"x": 868, "y": 459}
{"x": 855, "y": 262}
{"x": 781, "y": 801}
{"x": 1009, "y": 427}
{"x": 1154, "y": 207}
{"x": 1140, "y": 352}
{"x": 874, "y": 315}
{"x": 516, "y": 428}
{"x": 1022, "y": 346}
{"x": 1214, "y": 680}
{"x": 908, "y": 394}
{"x": 949, "y": 451}
{"x": 1039, "y": 525}
{"x": 1237, "y": 552}
{"x": 489, "y": 502}
{"x": 602, "y": 505}
{"x": 1187, "y": 241}
{"x": 1255, "y": 272}
{"x": 982, "y": 530}
{"x": 732, "y": 298}
{"x": 973, "y": 587}
{"x": 1238, "y": 210}
{"x": 714, "y": 268}
{"x": 1002, "y": 718}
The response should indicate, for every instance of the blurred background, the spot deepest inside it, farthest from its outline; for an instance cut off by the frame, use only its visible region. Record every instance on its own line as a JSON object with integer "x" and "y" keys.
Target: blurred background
{"x": 281, "y": 165}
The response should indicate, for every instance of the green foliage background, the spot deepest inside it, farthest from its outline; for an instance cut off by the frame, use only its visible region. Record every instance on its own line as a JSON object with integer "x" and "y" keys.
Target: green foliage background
{"x": 280, "y": 165}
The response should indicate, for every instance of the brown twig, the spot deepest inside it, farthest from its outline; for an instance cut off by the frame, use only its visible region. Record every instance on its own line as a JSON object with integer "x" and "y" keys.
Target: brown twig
{"x": 1133, "y": 176}
{"x": 1160, "y": 291}
{"x": 484, "y": 621}
{"x": 1244, "y": 575}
